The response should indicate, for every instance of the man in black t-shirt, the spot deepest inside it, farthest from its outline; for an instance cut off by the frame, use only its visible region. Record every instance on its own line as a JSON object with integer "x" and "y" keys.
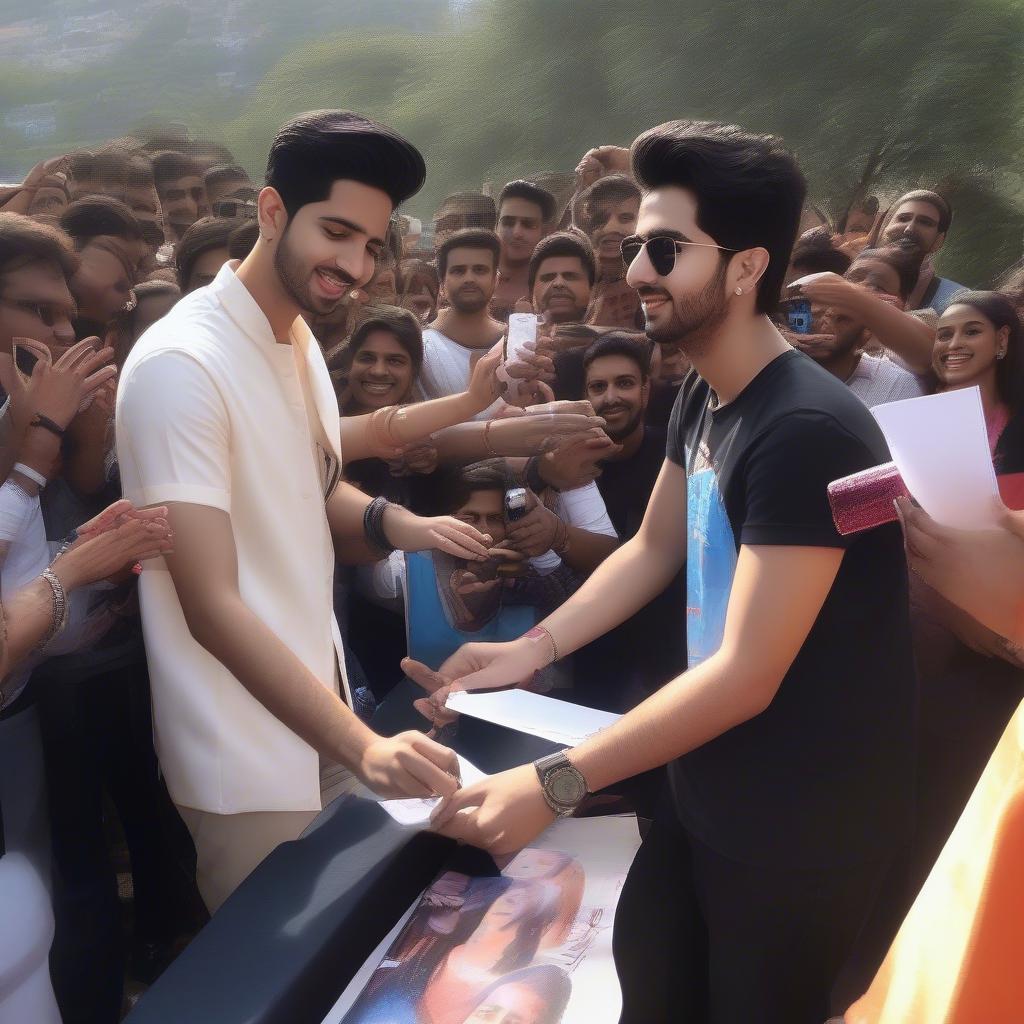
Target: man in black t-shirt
{"x": 790, "y": 737}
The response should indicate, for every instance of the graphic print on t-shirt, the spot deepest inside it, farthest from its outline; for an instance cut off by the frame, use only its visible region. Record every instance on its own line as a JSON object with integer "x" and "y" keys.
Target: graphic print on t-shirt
{"x": 710, "y": 560}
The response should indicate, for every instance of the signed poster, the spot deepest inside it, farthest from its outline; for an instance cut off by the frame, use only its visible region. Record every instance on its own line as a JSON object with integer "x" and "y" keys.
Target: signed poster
{"x": 532, "y": 945}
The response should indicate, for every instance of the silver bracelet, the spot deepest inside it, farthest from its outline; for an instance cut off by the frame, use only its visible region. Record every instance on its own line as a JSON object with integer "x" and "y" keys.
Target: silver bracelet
{"x": 60, "y": 608}
{"x": 31, "y": 474}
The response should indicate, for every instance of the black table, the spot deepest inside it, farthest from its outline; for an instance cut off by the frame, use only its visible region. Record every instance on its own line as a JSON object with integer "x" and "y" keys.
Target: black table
{"x": 290, "y": 938}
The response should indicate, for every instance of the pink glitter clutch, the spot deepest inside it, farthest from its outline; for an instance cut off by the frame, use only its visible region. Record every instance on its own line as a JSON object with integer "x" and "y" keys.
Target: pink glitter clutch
{"x": 865, "y": 500}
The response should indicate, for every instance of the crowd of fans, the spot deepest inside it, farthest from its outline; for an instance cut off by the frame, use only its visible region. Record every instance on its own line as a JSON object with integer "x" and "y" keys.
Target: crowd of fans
{"x": 96, "y": 246}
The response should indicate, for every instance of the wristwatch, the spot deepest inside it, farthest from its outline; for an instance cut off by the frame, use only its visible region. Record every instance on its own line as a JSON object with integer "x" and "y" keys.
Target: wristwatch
{"x": 561, "y": 783}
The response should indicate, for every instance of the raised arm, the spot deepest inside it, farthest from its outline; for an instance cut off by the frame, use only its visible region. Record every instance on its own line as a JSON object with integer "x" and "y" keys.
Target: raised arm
{"x": 904, "y": 334}
{"x": 625, "y": 581}
{"x": 767, "y": 621}
{"x": 382, "y": 434}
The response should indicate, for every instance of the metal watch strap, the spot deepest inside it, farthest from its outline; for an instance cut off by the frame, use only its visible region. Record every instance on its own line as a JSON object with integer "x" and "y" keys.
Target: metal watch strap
{"x": 549, "y": 769}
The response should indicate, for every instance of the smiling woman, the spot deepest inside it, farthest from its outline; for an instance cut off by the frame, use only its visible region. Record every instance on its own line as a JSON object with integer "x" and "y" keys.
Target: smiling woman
{"x": 978, "y": 342}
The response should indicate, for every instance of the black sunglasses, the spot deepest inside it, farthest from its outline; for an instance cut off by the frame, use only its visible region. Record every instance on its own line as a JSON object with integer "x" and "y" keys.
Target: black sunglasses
{"x": 661, "y": 251}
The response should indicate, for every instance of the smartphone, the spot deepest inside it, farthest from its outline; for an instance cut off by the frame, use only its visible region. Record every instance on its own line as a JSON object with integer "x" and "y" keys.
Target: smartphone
{"x": 522, "y": 328}
{"x": 798, "y": 316}
{"x": 515, "y": 504}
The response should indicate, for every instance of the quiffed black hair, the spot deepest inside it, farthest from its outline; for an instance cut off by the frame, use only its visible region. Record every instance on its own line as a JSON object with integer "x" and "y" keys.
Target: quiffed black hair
{"x": 202, "y": 236}
{"x": 468, "y": 238}
{"x": 400, "y": 323}
{"x": 563, "y": 243}
{"x": 621, "y": 343}
{"x": 906, "y": 263}
{"x": 170, "y": 165}
{"x": 750, "y": 191}
{"x": 1001, "y": 312}
{"x": 521, "y": 189}
{"x": 814, "y": 253}
{"x": 319, "y": 147}
{"x": 99, "y": 215}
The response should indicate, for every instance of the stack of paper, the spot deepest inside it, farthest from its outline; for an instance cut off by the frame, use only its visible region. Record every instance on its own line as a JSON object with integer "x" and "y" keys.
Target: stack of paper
{"x": 554, "y": 720}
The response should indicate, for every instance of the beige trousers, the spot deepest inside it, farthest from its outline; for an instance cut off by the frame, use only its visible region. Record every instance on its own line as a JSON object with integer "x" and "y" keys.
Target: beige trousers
{"x": 230, "y": 846}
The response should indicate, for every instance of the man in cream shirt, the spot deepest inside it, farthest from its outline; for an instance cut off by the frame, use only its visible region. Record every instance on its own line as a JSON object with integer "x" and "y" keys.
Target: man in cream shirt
{"x": 226, "y": 414}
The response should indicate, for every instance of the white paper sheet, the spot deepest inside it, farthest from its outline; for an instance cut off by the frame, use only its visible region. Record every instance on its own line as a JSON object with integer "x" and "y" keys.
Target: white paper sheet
{"x": 533, "y": 713}
{"x": 940, "y": 445}
{"x": 415, "y": 812}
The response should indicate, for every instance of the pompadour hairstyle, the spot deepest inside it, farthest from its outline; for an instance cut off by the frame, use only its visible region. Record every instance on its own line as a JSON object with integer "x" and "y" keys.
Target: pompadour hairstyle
{"x": 749, "y": 189}
{"x": 315, "y": 149}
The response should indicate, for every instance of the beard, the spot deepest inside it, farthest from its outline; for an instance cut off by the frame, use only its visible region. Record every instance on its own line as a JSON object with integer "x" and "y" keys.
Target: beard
{"x": 695, "y": 318}
{"x": 621, "y": 433}
{"x": 295, "y": 279}
{"x": 475, "y": 301}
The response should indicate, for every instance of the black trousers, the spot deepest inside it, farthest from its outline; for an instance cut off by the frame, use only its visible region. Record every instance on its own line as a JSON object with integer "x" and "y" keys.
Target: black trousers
{"x": 97, "y": 739}
{"x": 701, "y": 938}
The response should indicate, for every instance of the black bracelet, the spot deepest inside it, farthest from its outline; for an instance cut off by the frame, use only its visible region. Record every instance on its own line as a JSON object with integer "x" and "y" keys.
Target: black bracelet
{"x": 39, "y": 420}
{"x": 373, "y": 525}
{"x": 534, "y": 480}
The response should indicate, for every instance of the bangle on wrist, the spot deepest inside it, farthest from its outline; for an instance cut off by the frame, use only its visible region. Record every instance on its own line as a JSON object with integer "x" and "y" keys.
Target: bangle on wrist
{"x": 381, "y": 427}
{"x": 60, "y": 608}
{"x": 30, "y": 474}
{"x": 539, "y": 634}
{"x": 373, "y": 525}
{"x": 487, "y": 440}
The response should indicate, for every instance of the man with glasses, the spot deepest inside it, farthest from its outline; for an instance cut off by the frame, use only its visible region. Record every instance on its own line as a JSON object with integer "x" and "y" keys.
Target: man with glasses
{"x": 789, "y": 740}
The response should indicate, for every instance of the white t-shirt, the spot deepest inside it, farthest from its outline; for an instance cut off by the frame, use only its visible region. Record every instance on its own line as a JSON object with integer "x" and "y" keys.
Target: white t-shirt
{"x": 446, "y": 369}
{"x": 878, "y": 380}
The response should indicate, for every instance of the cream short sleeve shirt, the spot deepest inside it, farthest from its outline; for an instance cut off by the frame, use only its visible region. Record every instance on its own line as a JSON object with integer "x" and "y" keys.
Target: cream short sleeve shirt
{"x": 212, "y": 410}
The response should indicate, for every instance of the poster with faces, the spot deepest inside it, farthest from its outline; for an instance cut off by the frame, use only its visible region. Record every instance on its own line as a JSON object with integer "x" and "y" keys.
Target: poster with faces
{"x": 530, "y": 946}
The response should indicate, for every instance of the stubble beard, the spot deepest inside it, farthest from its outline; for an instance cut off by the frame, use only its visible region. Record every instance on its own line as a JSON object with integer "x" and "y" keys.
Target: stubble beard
{"x": 695, "y": 319}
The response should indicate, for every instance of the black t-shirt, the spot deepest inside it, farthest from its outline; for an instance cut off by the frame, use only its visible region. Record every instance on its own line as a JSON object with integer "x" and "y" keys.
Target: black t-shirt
{"x": 824, "y": 775}
{"x": 626, "y": 485}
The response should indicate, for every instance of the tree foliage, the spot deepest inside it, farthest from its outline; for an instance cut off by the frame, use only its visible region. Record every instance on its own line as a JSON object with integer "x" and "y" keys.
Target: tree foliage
{"x": 873, "y": 97}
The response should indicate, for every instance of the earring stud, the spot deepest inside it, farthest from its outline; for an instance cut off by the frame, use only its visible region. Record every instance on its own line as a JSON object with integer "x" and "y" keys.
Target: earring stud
{"x": 739, "y": 291}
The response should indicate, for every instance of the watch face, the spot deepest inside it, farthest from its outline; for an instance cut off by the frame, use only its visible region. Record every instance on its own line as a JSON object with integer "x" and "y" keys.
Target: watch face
{"x": 566, "y": 787}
